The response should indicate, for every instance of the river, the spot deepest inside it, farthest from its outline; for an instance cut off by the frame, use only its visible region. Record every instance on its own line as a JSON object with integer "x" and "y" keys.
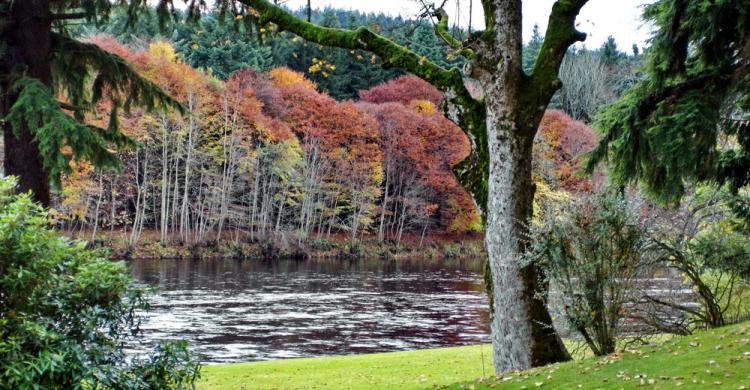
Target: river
{"x": 237, "y": 311}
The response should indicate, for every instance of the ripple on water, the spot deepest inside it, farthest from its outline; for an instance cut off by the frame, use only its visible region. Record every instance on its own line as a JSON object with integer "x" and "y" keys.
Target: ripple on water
{"x": 233, "y": 311}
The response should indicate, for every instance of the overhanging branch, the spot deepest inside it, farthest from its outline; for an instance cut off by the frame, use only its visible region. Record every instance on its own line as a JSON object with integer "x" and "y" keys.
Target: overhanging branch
{"x": 391, "y": 53}
{"x": 441, "y": 30}
{"x": 561, "y": 33}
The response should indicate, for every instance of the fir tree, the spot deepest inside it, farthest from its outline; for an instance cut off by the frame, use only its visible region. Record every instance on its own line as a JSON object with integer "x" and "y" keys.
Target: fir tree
{"x": 531, "y": 50}
{"x": 40, "y": 64}
{"x": 665, "y": 131}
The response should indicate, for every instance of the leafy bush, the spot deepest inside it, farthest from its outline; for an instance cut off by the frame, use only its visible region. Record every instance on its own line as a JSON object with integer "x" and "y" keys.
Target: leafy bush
{"x": 66, "y": 311}
{"x": 591, "y": 250}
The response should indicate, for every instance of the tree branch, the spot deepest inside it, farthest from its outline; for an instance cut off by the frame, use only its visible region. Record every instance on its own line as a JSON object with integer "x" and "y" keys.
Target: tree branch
{"x": 561, "y": 33}
{"x": 391, "y": 53}
{"x": 441, "y": 30}
{"x": 489, "y": 14}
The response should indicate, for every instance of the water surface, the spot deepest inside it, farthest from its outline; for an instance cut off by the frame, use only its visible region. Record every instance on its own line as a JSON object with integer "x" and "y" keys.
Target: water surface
{"x": 233, "y": 311}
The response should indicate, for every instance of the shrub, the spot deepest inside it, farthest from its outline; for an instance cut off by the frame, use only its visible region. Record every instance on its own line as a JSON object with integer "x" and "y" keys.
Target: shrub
{"x": 708, "y": 242}
{"x": 65, "y": 312}
{"x": 591, "y": 251}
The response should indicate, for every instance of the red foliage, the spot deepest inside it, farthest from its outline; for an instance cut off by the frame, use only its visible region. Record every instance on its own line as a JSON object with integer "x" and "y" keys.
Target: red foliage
{"x": 566, "y": 140}
{"x": 419, "y": 139}
{"x": 403, "y": 90}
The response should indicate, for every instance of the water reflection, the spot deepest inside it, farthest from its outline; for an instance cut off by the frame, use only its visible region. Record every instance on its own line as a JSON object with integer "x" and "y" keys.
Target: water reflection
{"x": 251, "y": 310}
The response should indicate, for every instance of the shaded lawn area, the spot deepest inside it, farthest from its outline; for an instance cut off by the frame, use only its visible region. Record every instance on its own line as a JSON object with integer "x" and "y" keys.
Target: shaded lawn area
{"x": 715, "y": 359}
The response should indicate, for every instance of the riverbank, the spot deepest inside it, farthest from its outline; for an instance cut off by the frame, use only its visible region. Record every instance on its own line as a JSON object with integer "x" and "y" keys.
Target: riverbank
{"x": 717, "y": 358}
{"x": 284, "y": 246}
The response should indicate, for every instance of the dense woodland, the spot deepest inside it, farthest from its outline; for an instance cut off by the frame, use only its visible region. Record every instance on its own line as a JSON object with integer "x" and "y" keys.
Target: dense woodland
{"x": 281, "y": 147}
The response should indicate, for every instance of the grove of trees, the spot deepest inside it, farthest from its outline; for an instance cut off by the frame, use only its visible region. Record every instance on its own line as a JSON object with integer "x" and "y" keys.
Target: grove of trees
{"x": 266, "y": 154}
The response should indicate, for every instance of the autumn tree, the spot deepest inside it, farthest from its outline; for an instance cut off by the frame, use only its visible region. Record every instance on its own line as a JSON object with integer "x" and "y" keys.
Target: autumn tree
{"x": 562, "y": 144}
{"x": 344, "y": 139}
{"x": 420, "y": 147}
{"x": 501, "y": 121}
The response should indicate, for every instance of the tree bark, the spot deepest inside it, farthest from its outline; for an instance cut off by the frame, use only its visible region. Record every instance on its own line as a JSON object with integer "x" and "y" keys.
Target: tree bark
{"x": 29, "y": 40}
{"x": 522, "y": 331}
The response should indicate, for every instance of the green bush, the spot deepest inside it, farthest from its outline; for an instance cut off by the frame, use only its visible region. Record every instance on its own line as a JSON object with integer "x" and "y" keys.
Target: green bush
{"x": 66, "y": 311}
{"x": 591, "y": 251}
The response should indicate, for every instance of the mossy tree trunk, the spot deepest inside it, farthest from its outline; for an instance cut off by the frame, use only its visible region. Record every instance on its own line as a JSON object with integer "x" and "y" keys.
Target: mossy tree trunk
{"x": 25, "y": 31}
{"x": 501, "y": 119}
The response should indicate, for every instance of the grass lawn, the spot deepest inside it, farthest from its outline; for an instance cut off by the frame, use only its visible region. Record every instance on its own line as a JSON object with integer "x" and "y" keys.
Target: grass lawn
{"x": 395, "y": 370}
{"x": 717, "y": 359}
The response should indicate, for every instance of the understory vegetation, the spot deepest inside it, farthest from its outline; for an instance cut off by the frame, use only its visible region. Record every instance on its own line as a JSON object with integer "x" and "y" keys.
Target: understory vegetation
{"x": 66, "y": 313}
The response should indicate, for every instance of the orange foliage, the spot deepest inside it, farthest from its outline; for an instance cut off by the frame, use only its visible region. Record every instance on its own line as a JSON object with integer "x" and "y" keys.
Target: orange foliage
{"x": 562, "y": 141}
{"x": 404, "y": 90}
{"x": 284, "y": 77}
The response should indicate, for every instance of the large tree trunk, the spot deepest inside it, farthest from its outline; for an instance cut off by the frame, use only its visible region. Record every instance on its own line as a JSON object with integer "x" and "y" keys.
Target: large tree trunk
{"x": 522, "y": 332}
{"x": 28, "y": 39}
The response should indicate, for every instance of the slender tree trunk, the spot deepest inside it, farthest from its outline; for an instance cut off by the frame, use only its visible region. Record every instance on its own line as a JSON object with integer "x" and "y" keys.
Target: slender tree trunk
{"x": 184, "y": 216}
{"x": 98, "y": 206}
{"x": 384, "y": 206}
{"x": 164, "y": 209}
{"x": 28, "y": 39}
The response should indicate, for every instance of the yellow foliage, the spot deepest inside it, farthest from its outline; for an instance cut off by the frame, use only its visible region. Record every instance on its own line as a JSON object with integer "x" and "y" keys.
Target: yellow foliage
{"x": 284, "y": 77}
{"x": 425, "y": 107}
{"x": 78, "y": 188}
{"x": 546, "y": 196}
{"x": 162, "y": 49}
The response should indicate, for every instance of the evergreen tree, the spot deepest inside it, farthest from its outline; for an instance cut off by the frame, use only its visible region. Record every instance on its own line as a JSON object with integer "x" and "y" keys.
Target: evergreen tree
{"x": 221, "y": 47}
{"x": 531, "y": 50}
{"x": 41, "y": 62}
{"x": 666, "y": 130}
{"x": 609, "y": 52}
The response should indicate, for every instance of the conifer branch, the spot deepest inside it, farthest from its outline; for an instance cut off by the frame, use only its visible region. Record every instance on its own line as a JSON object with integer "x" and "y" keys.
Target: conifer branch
{"x": 76, "y": 62}
{"x": 68, "y": 16}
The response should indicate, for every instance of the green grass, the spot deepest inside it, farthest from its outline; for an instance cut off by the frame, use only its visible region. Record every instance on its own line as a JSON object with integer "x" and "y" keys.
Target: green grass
{"x": 717, "y": 359}
{"x": 396, "y": 370}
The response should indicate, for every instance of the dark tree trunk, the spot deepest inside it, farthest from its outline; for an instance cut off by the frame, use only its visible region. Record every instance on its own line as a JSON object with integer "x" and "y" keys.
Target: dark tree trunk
{"x": 28, "y": 52}
{"x": 522, "y": 330}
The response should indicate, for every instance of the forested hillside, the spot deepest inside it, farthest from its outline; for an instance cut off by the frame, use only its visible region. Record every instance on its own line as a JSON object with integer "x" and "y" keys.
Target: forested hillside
{"x": 265, "y": 153}
{"x": 292, "y": 141}
{"x": 224, "y": 46}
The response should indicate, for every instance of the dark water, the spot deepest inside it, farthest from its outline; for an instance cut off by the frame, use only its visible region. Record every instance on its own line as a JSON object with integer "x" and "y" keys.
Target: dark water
{"x": 234, "y": 311}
